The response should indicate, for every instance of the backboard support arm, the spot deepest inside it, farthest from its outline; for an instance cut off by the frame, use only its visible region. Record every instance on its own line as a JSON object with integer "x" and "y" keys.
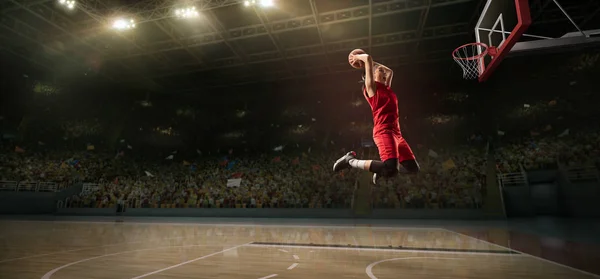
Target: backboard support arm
{"x": 570, "y": 19}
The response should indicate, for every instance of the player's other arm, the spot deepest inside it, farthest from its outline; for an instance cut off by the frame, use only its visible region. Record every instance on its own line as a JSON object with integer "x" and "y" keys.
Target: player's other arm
{"x": 389, "y": 74}
{"x": 370, "y": 84}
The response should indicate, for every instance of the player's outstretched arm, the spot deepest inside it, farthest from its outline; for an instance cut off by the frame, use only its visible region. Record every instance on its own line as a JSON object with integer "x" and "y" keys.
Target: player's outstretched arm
{"x": 369, "y": 81}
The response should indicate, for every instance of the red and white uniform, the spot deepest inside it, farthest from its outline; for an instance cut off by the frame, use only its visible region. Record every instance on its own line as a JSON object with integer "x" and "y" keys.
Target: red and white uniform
{"x": 386, "y": 128}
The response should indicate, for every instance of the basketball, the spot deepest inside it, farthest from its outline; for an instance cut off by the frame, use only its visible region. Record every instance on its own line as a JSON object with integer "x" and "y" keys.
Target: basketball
{"x": 356, "y": 64}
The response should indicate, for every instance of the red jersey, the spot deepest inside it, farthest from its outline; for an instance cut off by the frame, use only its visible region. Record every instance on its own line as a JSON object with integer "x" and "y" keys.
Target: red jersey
{"x": 385, "y": 109}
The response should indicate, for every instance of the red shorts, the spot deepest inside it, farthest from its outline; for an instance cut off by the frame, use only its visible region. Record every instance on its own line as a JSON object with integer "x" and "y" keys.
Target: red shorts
{"x": 393, "y": 146}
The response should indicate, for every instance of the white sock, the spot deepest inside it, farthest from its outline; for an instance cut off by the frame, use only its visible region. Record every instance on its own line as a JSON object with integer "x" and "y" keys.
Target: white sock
{"x": 359, "y": 164}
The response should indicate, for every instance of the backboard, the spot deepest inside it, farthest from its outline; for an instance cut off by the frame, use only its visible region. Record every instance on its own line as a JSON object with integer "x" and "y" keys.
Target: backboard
{"x": 500, "y": 32}
{"x": 501, "y": 25}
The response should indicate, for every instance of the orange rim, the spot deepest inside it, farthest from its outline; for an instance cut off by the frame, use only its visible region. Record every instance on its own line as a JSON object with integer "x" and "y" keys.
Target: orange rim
{"x": 476, "y": 57}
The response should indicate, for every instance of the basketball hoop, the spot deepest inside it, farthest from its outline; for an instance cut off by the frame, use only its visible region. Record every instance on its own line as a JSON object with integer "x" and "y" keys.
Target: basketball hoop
{"x": 470, "y": 58}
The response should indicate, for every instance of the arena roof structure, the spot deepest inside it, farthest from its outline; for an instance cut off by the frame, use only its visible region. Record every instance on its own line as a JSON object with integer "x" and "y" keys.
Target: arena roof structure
{"x": 188, "y": 45}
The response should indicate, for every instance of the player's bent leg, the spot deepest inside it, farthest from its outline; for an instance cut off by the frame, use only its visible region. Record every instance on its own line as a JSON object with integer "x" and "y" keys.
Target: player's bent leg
{"x": 387, "y": 144}
{"x": 388, "y": 169}
{"x": 408, "y": 162}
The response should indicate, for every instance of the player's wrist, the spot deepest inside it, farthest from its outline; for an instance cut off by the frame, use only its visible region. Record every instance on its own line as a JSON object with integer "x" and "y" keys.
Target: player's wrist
{"x": 363, "y": 57}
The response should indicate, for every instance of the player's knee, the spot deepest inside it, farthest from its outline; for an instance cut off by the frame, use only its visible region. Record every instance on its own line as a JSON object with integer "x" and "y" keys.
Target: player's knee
{"x": 389, "y": 168}
{"x": 409, "y": 166}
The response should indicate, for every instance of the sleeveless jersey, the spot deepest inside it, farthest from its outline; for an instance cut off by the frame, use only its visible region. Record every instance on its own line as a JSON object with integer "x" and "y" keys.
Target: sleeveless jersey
{"x": 384, "y": 106}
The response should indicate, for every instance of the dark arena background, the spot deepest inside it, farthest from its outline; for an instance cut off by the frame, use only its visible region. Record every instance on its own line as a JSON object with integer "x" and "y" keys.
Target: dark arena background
{"x": 196, "y": 139}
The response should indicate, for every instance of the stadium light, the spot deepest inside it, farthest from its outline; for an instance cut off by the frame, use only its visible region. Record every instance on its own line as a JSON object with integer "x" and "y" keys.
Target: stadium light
{"x": 266, "y": 3}
{"x": 186, "y": 13}
{"x": 262, "y": 3}
{"x": 70, "y": 4}
{"x": 123, "y": 24}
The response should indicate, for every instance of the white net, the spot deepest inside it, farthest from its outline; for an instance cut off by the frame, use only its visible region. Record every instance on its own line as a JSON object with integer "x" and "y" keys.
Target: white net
{"x": 470, "y": 58}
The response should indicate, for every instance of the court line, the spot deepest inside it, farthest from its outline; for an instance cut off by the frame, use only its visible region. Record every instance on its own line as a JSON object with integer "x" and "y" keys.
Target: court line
{"x": 369, "y": 269}
{"x": 364, "y": 226}
{"x": 385, "y": 250}
{"x": 81, "y": 249}
{"x": 267, "y": 277}
{"x": 528, "y": 255}
{"x": 296, "y": 257}
{"x": 294, "y": 265}
{"x": 51, "y": 272}
{"x": 285, "y": 251}
{"x": 190, "y": 261}
{"x": 389, "y": 247}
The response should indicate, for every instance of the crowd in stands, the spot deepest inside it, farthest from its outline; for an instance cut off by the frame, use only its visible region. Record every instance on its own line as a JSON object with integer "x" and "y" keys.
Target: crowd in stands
{"x": 452, "y": 178}
{"x": 533, "y": 153}
{"x": 448, "y": 179}
{"x": 17, "y": 166}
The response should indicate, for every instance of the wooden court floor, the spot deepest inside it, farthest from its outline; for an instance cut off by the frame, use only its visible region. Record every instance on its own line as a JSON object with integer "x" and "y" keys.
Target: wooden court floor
{"x": 60, "y": 250}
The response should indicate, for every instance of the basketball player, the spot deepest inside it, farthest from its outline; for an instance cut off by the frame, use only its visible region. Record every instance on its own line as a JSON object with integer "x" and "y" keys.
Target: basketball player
{"x": 394, "y": 152}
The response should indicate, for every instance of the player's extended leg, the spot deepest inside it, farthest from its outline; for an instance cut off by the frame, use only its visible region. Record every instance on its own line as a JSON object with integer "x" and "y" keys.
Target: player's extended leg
{"x": 387, "y": 167}
{"x": 349, "y": 161}
{"x": 392, "y": 148}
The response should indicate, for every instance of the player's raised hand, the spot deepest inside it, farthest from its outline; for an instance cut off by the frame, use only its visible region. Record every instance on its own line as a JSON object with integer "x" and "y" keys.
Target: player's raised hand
{"x": 355, "y": 61}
